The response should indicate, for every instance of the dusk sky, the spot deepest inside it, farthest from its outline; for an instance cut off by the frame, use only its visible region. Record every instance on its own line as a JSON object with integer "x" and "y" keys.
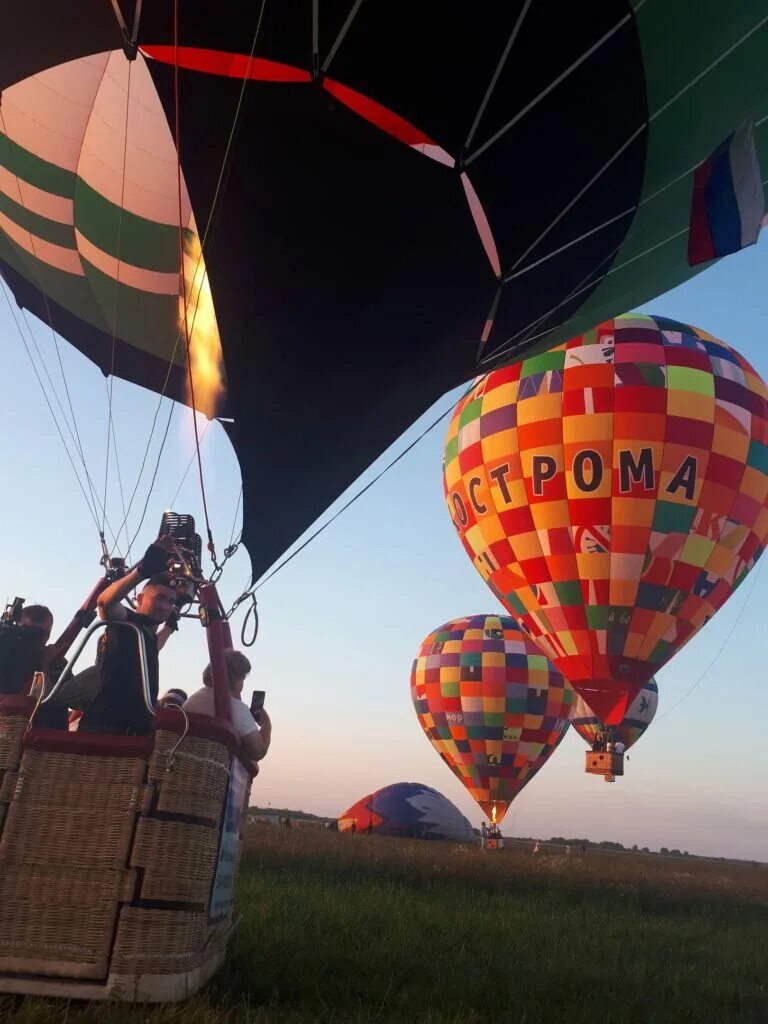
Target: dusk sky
{"x": 341, "y": 623}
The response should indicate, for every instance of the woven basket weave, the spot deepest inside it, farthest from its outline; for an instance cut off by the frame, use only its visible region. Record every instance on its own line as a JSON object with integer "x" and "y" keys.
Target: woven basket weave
{"x": 179, "y": 860}
{"x": 64, "y": 852}
{"x": 193, "y": 778}
{"x": 11, "y": 732}
{"x": 159, "y": 941}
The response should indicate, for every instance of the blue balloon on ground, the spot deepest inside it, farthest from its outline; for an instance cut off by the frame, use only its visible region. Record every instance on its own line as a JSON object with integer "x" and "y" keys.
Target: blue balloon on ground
{"x": 409, "y": 810}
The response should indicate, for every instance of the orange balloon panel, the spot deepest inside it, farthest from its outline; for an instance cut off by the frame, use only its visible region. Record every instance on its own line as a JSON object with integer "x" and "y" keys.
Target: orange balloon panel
{"x": 491, "y": 704}
{"x": 613, "y": 492}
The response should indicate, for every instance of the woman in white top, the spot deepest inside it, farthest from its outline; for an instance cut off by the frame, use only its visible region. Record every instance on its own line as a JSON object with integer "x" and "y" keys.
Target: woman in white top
{"x": 255, "y": 738}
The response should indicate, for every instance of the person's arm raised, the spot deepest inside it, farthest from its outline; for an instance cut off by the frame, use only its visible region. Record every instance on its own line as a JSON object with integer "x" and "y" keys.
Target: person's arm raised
{"x": 256, "y": 743}
{"x": 155, "y": 560}
{"x": 166, "y": 631}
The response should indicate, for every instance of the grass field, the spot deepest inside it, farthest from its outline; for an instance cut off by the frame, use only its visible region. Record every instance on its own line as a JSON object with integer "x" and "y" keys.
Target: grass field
{"x": 342, "y": 928}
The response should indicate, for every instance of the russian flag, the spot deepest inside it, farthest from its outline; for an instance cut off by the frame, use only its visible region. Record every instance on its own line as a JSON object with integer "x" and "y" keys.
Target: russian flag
{"x": 728, "y": 203}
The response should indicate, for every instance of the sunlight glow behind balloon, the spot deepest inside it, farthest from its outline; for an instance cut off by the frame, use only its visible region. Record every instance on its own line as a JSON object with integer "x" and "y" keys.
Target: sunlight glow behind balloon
{"x": 202, "y": 329}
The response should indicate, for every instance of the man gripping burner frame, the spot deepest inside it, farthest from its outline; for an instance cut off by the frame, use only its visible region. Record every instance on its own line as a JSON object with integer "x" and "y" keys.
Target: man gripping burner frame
{"x": 119, "y": 706}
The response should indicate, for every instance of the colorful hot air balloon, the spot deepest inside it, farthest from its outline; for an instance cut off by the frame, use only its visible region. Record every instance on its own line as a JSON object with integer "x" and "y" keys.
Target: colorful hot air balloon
{"x": 374, "y": 220}
{"x": 410, "y": 810}
{"x": 639, "y": 716}
{"x": 491, "y": 704}
{"x": 613, "y": 493}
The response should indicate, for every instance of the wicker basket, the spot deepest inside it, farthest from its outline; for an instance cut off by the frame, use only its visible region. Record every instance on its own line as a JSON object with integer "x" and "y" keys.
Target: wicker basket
{"x": 8, "y": 782}
{"x": 179, "y": 860}
{"x": 65, "y": 836}
{"x": 191, "y": 775}
{"x": 160, "y": 941}
{"x": 88, "y": 772}
{"x": 61, "y": 939}
{"x": 64, "y": 793}
{"x": 45, "y": 885}
{"x": 11, "y": 732}
{"x": 86, "y": 842}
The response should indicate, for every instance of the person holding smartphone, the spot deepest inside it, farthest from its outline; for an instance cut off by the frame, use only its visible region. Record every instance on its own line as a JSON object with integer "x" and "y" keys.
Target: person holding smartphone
{"x": 255, "y": 733}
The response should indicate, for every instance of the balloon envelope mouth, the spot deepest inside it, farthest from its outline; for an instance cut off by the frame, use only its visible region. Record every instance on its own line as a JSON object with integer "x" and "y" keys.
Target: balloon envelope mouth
{"x": 495, "y": 810}
{"x": 608, "y": 699}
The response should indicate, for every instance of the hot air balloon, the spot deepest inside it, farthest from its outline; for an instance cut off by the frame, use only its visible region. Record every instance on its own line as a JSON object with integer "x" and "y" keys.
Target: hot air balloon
{"x": 368, "y": 217}
{"x": 491, "y": 705}
{"x": 613, "y": 493}
{"x": 409, "y": 810}
{"x": 308, "y": 204}
{"x": 639, "y": 715}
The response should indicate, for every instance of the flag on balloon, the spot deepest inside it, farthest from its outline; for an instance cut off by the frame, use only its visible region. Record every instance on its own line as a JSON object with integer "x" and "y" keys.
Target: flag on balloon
{"x": 728, "y": 203}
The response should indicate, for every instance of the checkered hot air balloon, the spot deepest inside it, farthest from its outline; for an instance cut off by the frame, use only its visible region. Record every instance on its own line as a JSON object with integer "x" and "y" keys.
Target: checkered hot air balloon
{"x": 491, "y": 705}
{"x": 639, "y": 716}
{"x": 613, "y": 492}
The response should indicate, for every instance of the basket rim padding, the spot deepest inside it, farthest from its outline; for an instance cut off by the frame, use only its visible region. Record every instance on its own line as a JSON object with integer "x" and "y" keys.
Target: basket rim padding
{"x": 56, "y": 741}
{"x": 13, "y": 704}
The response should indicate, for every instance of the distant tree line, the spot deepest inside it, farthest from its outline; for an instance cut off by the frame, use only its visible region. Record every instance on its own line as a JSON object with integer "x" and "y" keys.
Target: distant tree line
{"x": 608, "y": 845}
{"x": 286, "y": 812}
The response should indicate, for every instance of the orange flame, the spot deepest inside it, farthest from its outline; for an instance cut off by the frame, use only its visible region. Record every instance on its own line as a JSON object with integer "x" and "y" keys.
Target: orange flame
{"x": 204, "y": 343}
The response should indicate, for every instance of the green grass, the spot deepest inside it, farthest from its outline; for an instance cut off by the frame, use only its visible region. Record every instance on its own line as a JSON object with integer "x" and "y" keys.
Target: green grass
{"x": 361, "y": 929}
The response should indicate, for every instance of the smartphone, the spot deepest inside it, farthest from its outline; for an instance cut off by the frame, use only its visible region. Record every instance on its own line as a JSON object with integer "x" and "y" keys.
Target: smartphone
{"x": 257, "y": 703}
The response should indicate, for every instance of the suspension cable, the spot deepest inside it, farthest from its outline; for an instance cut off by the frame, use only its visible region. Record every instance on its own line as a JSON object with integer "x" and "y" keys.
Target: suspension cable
{"x": 119, "y": 481}
{"x": 234, "y": 517}
{"x": 50, "y": 408}
{"x": 154, "y": 474}
{"x": 111, "y": 379}
{"x": 250, "y": 591}
{"x": 189, "y": 466}
{"x": 208, "y": 225}
{"x": 35, "y": 272}
{"x": 720, "y": 650}
{"x": 182, "y": 279}
{"x": 94, "y": 503}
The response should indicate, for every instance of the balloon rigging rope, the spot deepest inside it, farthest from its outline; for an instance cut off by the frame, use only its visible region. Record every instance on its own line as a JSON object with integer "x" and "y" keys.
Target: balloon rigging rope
{"x": 189, "y": 466}
{"x": 111, "y": 436}
{"x": 34, "y": 268}
{"x": 183, "y": 284}
{"x": 214, "y": 206}
{"x": 720, "y": 650}
{"x": 251, "y": 590}
{"x": 50, "y": 407}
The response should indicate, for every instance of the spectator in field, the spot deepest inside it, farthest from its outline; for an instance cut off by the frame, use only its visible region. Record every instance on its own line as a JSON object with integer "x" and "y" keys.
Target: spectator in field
{"x": 255, "y": 739}
{"x": 483, "y": 835}
{"x": 369, "y": 829}
{"x": 536, "y": 847}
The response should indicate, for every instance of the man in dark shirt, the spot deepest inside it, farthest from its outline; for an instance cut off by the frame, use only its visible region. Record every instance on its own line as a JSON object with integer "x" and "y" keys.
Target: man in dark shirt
{"x": 23, "y": 648}
{"x": 119, "y": 707}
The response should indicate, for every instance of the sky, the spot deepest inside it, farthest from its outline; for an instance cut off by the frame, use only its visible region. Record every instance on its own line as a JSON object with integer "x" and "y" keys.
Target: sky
{"x": 341, "y": 624}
